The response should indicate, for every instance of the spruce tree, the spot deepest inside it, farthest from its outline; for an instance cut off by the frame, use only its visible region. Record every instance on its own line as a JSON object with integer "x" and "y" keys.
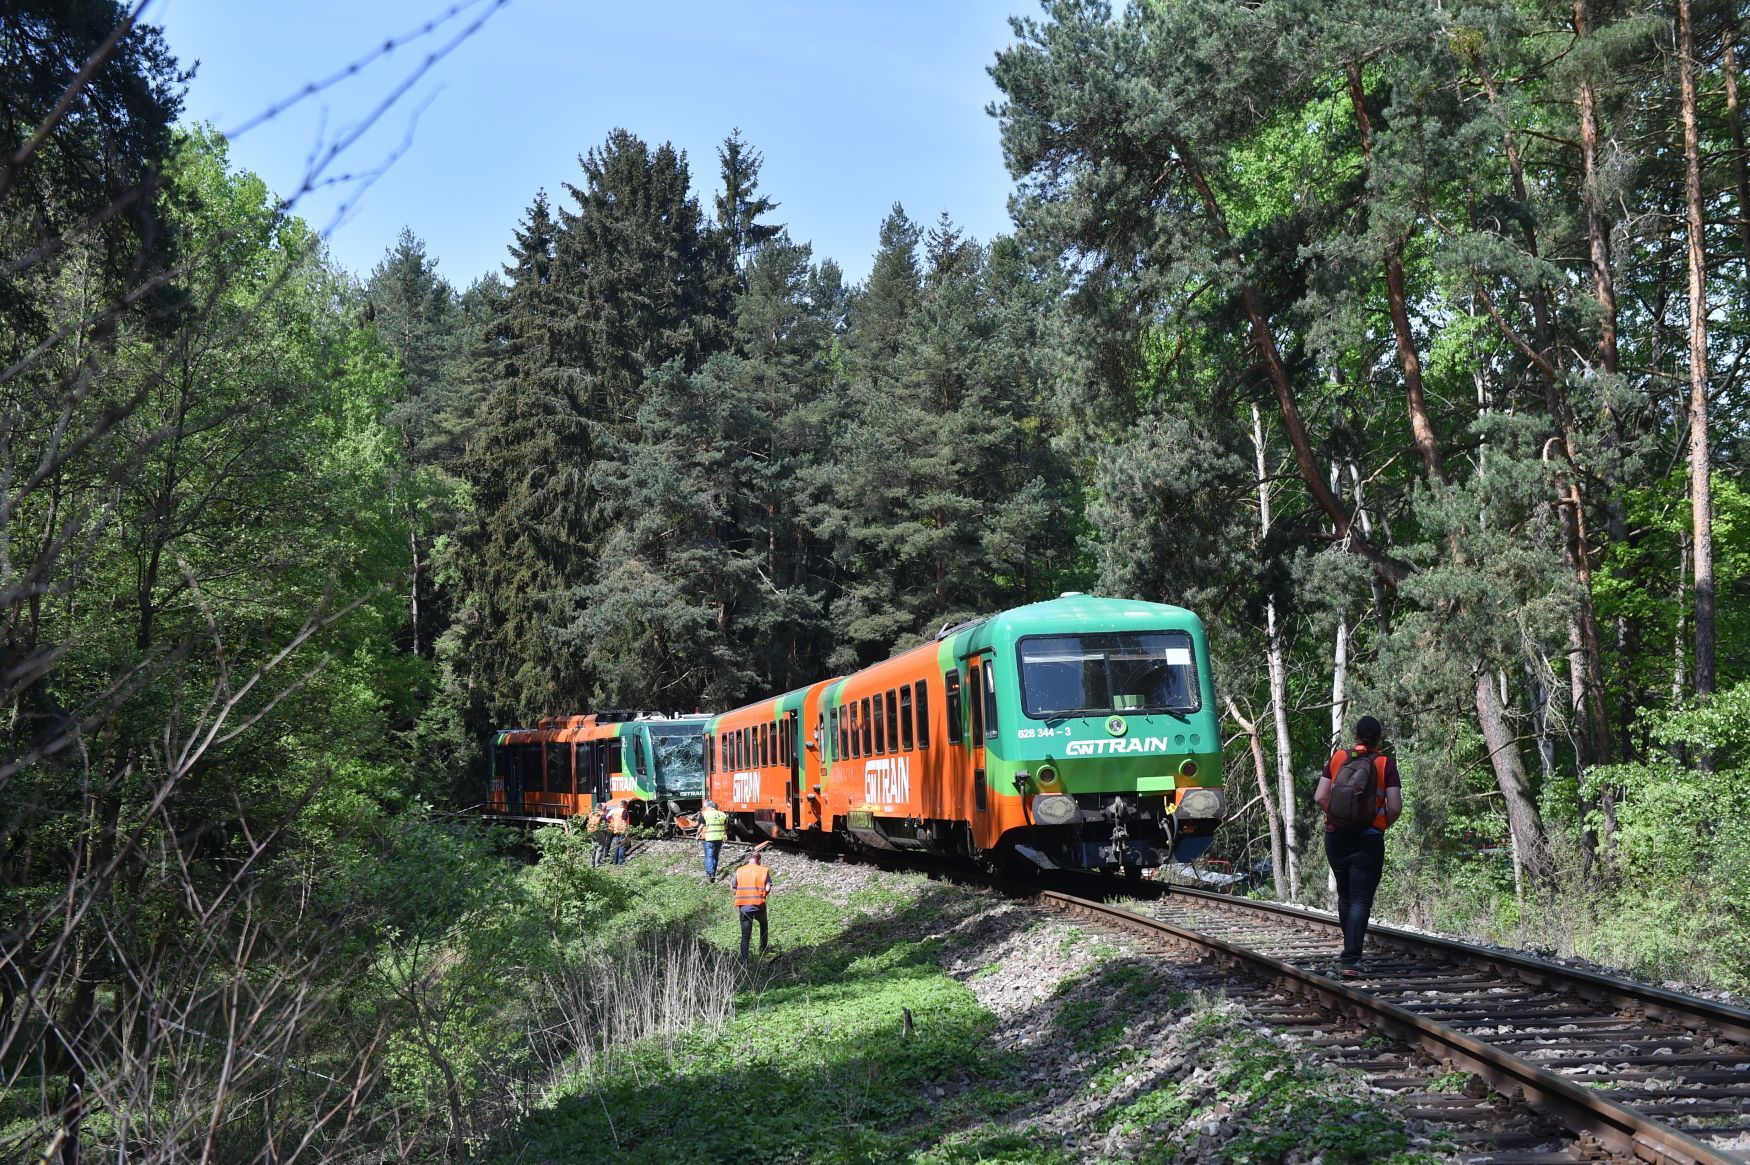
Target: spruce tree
{"x": 526, "y": 484}
{"x": 740, "y": 206}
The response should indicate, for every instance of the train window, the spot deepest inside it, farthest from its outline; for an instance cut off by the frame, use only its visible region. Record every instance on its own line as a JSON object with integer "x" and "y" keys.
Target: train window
{"x": 923, "y": 706}
{"x": 531, "y": 768}
{"x": 990, "y": 699}
{"x": 842, "y": 719}
{"x": 614, "y": 757}
{"x": 880, "y": 725}
{"x": 905, "y": 737}
{"x": 867, "y": 724}
{"x": 558, "y": 768}
{"x": 975, "y": 681}
{"x": 892, "y": 720}
{"x": 951, "y": 684}
{"x": 856, "y": 731}
{"x": 1113, "y": 671}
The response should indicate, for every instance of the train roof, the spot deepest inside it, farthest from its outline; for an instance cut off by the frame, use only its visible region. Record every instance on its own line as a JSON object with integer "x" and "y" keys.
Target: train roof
{"x": 1076, "y": 611}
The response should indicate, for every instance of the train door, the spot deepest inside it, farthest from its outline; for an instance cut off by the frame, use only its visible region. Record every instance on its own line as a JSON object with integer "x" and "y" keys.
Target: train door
{"x": 787, "y": 738}
{"x": 513, "y": 781}
{"x": 977, "y": 676}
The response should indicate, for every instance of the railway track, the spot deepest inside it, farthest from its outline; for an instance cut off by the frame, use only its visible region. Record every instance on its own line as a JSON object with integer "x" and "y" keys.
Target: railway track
{"x": 1631, "y": 1072}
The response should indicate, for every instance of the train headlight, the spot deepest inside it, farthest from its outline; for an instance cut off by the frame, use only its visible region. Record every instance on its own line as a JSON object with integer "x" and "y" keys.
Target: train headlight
{"x": 1201, "y": 805}
{"x": 1187, "y": 768}
{"x": 1055, "y": 809}
{"x": 1047, "y": 777}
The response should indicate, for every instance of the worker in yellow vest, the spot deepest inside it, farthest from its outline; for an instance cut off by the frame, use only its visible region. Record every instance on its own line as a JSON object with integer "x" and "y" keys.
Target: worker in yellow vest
{"x": 713, "y": 828}
{"x": 752, "y": 883}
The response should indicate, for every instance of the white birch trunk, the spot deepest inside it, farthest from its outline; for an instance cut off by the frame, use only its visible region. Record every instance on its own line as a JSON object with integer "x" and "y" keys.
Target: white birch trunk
{"x": 1278, "y": 679}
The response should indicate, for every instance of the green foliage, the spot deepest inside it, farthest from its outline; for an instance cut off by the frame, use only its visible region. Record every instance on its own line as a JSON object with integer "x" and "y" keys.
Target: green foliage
{"x": 816, "y": 1061}
{"x": 1680, "y": 854}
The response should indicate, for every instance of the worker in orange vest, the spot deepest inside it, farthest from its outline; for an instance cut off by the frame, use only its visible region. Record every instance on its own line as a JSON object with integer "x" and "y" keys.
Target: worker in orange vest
{"x": 619, "y": 824}
{"x": 598, "y": 836}
{"x": 752, "y": 883}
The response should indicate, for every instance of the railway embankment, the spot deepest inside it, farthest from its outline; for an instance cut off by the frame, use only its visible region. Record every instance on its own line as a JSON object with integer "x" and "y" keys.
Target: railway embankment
{"x": 898, "y": 1018}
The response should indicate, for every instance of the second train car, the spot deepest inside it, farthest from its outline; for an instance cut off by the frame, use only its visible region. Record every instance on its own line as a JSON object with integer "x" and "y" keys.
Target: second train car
{"x": 1076, "y": 734}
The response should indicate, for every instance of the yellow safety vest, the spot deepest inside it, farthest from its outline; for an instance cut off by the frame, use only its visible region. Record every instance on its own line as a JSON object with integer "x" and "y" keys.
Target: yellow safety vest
{"x": 716, "y": 825}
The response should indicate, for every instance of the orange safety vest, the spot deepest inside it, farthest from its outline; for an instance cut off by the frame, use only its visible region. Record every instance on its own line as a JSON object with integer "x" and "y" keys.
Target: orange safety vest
{"x": 619, "y": 821}
{"x": 752, "y": 884}
{"x": 1341, "y": 758}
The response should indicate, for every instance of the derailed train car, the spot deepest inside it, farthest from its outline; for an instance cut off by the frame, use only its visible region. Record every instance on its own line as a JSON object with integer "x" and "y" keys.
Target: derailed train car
{"x": 566, "y": 765}
{"x": 1078, "y": 734}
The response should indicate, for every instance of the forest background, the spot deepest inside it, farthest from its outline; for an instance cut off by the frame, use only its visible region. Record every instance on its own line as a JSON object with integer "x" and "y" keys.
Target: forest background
{"x": 1404, "y": 344}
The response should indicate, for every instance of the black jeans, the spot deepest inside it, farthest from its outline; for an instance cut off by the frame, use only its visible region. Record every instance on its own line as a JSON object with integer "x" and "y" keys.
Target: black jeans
{"x": 748, "y": 915}
{"x": 1357, "y": 859}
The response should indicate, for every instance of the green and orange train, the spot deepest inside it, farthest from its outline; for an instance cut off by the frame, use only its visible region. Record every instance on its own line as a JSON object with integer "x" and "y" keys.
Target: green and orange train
{"x": 1075, "y": 734}
{"x": 566, "y": 765}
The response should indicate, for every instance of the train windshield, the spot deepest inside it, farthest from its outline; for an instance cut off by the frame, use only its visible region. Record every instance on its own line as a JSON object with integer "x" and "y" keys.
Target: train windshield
{"x": 1113, "y": 671}
{"x": 680, "y": 760}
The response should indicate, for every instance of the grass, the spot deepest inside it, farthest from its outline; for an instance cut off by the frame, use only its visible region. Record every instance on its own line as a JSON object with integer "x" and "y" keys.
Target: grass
{"x": 1253, "y": 1101}
{"x": 819, "y": 1064}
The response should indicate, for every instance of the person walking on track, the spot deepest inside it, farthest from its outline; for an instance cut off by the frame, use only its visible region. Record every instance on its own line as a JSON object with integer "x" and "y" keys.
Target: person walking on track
{"x": 713, "y": 828}
{"x": 753, "y": 882}
{"x": 1362, "y": 795}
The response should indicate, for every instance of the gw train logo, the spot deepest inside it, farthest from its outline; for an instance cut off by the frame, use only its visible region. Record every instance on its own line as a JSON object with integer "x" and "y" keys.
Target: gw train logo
{"x": 1117, "y": 746}
{"x": 887, "y": 782}
{"x": 746, "y": 787}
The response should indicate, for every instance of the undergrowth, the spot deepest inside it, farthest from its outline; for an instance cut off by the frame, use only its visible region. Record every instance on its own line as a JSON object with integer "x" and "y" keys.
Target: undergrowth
{"x": 852, "y": 1044}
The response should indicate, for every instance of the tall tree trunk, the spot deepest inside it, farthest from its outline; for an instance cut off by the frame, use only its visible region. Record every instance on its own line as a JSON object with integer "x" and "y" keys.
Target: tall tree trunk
{"x": 1421, "y": 427}
{"x": 1597, "y": 233}
{"x": 1680, "y": 641}
{"x": 1278, "y": 856}
{"x": 1735, "y": 122}
{"x": 1273, "y": 650}
{"x": 1339, "y": 682}
{"x": 1700, "y": 489}
{"x": 1381, "y": 611}
{"x": 413, "y": 586}
{"x": 1531, "y": 857}
{"x": 1264, "y": 342}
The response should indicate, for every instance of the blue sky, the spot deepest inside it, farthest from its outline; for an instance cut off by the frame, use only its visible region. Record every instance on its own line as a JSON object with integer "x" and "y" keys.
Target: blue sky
{"x": 855, "y": 104}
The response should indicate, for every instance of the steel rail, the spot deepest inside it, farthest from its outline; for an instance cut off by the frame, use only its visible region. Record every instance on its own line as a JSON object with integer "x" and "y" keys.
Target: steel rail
{"x": 1618, "y": 1128}
{"x": 1685, "y": 1010}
